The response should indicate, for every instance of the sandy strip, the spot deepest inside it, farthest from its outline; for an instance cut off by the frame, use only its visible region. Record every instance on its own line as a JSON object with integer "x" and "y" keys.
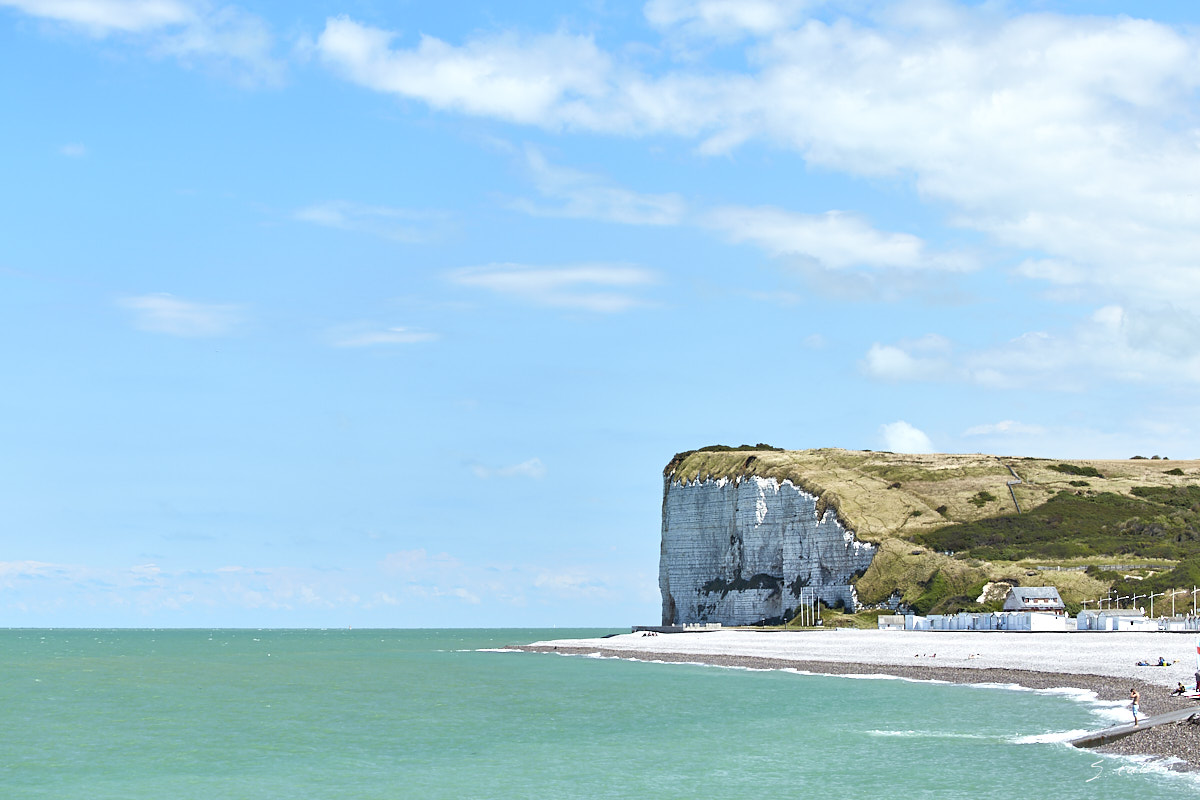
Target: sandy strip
{"x": 1105, "y": 663}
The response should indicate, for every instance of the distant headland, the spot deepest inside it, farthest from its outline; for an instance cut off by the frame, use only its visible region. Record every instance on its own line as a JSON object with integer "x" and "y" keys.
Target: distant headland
{"x": 757, "y": 534}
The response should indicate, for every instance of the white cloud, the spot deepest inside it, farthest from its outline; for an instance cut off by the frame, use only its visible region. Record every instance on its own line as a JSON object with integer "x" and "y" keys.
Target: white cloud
{"x": 584, "y": 196}
{"x": 1068, "y": 138}
{"x": 42, "y": 593}
{"x": 833, "y": 240}
{"x": 232, "y": 40}
{"x": 921, "y": 359}
{"x": 533, "y": 468}
{"x": 73, "y": 150}
{"x": 602, "y": 288}
{"x": 465, "y": 595}
{"x": 419, "y": 561}
{"x": 101, "y": 17}
{"x": 1006, "y": 427}
{"x": 573, "y": 583}
{"x": 164, "y": 313}
{"x": 13, "y": 570}
{"x": 223, "y": 37}
{"x": 1158, "y": 345}
{"x": 532, "y": 80}
{"x": 725, "y": 18}
{"x": 900, "y": 437}
{"x": 892, "y": 363}
{"x": 358, "y": 336}
{"x": 1052, "y": 270}
{"x": 398, "y": 224}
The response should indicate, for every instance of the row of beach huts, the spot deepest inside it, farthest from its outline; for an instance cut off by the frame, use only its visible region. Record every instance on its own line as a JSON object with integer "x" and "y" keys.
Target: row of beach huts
{"x": 1038, "y": 608}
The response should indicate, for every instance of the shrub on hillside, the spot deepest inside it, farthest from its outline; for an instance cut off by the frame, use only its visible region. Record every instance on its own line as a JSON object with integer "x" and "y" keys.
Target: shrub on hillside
{"x": 1073, "y": 469}
{"x": 1156, "y": 524}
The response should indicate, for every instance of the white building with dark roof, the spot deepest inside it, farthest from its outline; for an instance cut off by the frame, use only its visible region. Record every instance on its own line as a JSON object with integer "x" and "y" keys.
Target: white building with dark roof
{"x": 1034, "y": 598}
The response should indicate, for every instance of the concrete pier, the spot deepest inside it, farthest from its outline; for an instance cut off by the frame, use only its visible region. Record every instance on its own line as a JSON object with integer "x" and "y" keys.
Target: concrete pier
{"x": 1102, "y": 737}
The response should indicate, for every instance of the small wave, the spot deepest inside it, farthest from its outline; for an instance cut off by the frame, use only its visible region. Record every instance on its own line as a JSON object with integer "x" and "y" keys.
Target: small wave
{"x": 1168, "y": 766}
{"x": 1053, "y": 737}
{"x": 491, "y": 650}
{"x": 911, "y": 734}
{"x": 1111, "y": 711}
{"x": 1083, "y": 695}
{"x": 903, "y": 734}
{"x": 1107, "y": 710}
{"x": 881, "y": 676}
{"x": 1004, "y": 687}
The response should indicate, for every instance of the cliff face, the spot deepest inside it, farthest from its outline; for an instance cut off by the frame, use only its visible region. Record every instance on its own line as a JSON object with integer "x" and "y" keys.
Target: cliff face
{"x": 740, "y": 551}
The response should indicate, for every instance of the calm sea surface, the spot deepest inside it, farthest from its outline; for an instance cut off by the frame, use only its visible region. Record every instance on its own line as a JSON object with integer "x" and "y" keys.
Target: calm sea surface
{"x": 180, "y": 714}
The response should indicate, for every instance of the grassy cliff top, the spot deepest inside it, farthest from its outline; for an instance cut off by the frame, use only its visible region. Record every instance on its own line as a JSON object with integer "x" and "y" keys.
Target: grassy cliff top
{"x": 883, "y": 495}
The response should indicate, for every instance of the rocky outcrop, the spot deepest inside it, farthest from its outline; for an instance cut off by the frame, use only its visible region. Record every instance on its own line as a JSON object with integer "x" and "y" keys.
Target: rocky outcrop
{"x": 738, "y": 551}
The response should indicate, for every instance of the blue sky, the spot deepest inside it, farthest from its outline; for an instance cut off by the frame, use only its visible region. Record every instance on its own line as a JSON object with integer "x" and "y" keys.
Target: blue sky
{"x": 390, "y": 314}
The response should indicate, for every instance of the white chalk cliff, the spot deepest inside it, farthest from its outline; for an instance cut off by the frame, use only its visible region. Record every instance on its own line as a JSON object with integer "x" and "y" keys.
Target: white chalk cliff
{"x": 741, "y": 551}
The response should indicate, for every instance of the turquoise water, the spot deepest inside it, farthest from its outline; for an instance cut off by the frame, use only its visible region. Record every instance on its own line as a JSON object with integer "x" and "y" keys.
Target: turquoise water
{"x": 435, "y": 714}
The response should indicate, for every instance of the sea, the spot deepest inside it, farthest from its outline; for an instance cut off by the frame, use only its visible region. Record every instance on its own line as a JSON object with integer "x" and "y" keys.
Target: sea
{"x": 358, "y": 714}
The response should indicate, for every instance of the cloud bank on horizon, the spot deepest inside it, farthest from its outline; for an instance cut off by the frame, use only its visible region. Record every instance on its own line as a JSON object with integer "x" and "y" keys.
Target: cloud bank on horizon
{"x": 271, "y": 271}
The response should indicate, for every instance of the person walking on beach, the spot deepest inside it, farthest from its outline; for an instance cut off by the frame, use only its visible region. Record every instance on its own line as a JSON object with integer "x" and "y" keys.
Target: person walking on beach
{"x": 1134, "y": 699}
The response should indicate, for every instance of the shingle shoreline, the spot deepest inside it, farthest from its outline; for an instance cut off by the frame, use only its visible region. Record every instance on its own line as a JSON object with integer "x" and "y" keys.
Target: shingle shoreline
{"x": 1175, "y": 741}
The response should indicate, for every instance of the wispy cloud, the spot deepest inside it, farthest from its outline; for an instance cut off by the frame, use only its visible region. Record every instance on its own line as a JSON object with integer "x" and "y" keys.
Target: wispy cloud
{"x": 73, "y": 150}
{"x": 224, "y": 38}
{"x": 365, "y": 336}
{"x": 165, "y": 313}
{"x": 832, "y": 240}
{"x": 398, "y": 224}
{"x": 419, "y": 561}
{"x": 1006, "y": 427}
{"x": 533, "y": 468}
{"x": 1067, "y": 138}
{"x": 408, "y": 580}
{"x": 725, "y": 19}
{"x": 582, "y": 195}
{"x": 602, "y": 288}
{"x": 575, "y": 584}
{"x": 103, "y": 17}
{"x": 17, "y": 570}
{"x": 927, "y": 358}
{"x": 519, "y": 79}
{"x": 1159, "y": 345}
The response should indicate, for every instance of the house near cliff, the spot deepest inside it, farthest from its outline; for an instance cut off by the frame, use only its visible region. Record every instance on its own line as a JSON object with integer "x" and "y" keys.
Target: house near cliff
{"x": 1034, "y": 599}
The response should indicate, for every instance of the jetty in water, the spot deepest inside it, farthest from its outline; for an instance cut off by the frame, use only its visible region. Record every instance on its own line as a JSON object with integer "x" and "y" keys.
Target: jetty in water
{"x": 1103, "y": 737}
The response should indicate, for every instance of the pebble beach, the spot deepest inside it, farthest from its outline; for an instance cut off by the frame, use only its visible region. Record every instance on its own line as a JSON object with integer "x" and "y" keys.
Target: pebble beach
{"x": 1104, "y": 663}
